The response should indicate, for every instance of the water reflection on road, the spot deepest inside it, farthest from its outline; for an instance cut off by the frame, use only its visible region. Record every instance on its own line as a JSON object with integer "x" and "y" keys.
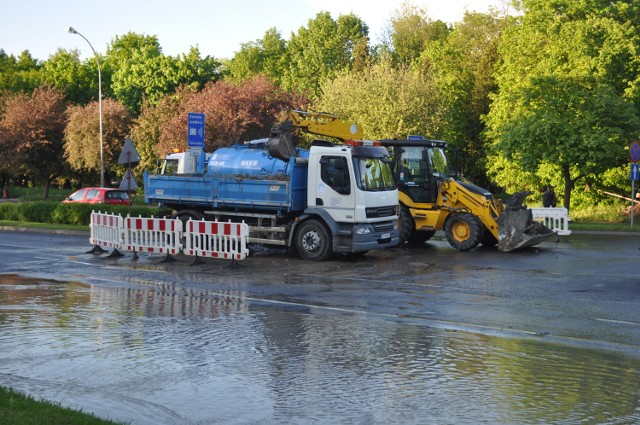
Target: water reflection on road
{"x": 164, "y": 354}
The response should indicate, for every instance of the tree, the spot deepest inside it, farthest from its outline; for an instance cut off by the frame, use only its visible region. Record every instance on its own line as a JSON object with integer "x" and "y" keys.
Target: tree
{"x": 578, "y": 125}
{"x": 386, "y": 102}
{"x": 19, "y": 75}
{"x": 78, "y": 81}
{"x": 561, "y": 100}
{"x": 82, "y": 136}
{"x": 463, "y": 67}
{"x": 32, "y": 135}
{"x": 321, "y": 51}
{"x": 141, "y": 72}
{"x": 267, "y": 56}
{"x": 410, "y": 33}
{"x": 233, "y": 113}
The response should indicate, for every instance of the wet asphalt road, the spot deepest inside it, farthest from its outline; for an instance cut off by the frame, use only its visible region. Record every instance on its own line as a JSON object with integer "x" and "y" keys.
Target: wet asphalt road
{"x": 582, "y": 290}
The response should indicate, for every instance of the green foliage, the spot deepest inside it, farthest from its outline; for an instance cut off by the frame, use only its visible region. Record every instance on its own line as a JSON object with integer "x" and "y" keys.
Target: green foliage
{"x": 77, "y": 214}
{"x": 386, "y": 102}
{"x": 267, "y": 56}
{"x": 319, "y": 52}
{"x": 9, "y": 211}
{"x": 19, "y": 75}
{"x": 78, "y": 81}
{"x": 411, "y": 33}
{"x": 18, "y": 409}
{"x": 38, "y": 212}
{"x": 142, "y": 72}
{"x": 562, "y": 90}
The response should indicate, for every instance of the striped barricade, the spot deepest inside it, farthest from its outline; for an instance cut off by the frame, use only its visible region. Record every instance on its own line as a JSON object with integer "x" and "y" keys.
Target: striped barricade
{"x": 154, "y": 235}
{"x": 216, "y": 239}
{"x": 106, "y": 230}
{"x": 556, "y": 219}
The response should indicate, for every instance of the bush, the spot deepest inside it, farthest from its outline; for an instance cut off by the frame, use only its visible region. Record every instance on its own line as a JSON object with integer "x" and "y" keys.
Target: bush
{"x": 75, "y": 214}
{"x": 37, "y": 212}
{"x": 78, "y": 214}
{"x": 9, "y": 211}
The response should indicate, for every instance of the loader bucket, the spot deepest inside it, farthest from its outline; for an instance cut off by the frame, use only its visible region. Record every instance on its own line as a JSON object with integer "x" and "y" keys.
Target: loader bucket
{"x": 517, "y": 229}
{"x": 280, "y": 144}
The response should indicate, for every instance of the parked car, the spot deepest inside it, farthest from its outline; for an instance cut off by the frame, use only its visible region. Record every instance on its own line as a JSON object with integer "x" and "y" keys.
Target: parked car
{"x": 99, "y": 195}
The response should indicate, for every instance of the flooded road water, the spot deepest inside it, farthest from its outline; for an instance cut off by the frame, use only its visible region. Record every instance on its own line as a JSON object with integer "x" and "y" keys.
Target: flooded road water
{"x": 163, "y": 353}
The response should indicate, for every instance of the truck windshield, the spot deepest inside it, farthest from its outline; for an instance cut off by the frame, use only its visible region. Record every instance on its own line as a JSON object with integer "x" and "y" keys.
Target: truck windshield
{"x": 373, "y": 174}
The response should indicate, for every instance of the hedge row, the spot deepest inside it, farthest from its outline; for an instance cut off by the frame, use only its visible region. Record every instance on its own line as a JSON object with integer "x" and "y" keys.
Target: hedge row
{"x": 60, "y": 213}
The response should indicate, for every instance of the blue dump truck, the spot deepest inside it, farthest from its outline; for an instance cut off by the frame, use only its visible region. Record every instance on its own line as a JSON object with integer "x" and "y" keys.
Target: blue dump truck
{"x": 330, "y": 198}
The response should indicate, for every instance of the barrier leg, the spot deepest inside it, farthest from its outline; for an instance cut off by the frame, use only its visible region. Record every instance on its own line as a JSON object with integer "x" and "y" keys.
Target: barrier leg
{"x": 97, "y": 249}
{"x": 233, "y": 264}
{"x": 167, "y": 259}
{"x": 196, "y": 260}
{"x": 115, "y": 254}
{"x": 135, "y": 255}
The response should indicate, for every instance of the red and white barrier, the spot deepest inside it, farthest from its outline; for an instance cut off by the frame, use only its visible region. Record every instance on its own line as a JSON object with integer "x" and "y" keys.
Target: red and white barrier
{"x": 216, "y": 239}
{"x": 154, "y": 235}
{"x": 556, "y": 219}
{"x": 165, "y": 236}
{"x": 106, "y": 230}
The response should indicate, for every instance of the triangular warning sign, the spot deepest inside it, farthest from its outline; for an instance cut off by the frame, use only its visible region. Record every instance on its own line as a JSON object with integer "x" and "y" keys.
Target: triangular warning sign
{"x": 129, "y": 153}
{"x": 128, "y": 181}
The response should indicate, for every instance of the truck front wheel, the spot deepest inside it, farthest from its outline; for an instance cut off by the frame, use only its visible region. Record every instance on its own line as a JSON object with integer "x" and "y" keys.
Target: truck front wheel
{"x": 463, "y": 231}
{"x": 312, "y": 241}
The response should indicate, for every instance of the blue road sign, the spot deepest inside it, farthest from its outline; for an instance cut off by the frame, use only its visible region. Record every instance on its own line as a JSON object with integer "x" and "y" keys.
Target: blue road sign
{"x": 634, "y": 151}
{"x": 195, "y": 134}
{"x": 635, "y": 172}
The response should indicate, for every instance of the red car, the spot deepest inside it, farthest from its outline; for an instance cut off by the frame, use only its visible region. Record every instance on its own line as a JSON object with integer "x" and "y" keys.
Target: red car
{"x": 99, "y": 195}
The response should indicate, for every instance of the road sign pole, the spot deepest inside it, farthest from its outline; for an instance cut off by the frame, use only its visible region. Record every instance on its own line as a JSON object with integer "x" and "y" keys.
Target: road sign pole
{"x": 633, "y": 199}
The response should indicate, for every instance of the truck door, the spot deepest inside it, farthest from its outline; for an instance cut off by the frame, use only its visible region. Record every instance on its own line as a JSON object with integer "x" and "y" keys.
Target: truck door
{"x": 335, "y": 192}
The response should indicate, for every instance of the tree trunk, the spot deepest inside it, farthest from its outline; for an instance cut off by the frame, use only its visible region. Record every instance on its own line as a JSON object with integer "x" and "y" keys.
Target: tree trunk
{"x": 568, "y": 186}
{"x": 47, "y": 186}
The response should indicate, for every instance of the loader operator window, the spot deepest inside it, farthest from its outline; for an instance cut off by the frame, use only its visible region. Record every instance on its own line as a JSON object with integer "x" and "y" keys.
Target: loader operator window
{"x": 334, "y": 172}
{"x": 413, "y": 176}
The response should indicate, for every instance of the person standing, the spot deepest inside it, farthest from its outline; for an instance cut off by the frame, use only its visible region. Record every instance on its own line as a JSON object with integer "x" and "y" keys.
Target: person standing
{"x": 549, "y": 199}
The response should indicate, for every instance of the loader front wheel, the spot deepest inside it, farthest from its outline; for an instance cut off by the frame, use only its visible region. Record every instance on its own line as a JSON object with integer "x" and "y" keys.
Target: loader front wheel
{"x": 463, "y": 231}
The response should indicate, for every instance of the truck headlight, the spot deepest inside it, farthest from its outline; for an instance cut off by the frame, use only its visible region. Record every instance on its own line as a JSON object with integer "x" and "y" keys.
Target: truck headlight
{"x": 363, "y": 230}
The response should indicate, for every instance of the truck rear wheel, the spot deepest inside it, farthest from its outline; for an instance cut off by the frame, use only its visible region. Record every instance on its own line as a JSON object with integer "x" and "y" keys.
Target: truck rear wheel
{"x": 186, "y": 215}
{"x": 463, "y": 231}
{"x": 312, "y": 241}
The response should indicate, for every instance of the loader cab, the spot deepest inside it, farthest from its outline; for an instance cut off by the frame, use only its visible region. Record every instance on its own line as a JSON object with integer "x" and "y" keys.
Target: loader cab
{"x": 418, "y": 166}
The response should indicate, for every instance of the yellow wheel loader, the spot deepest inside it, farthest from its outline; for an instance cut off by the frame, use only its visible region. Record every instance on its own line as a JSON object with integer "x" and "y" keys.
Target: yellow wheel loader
{"x": 433, "y": 198}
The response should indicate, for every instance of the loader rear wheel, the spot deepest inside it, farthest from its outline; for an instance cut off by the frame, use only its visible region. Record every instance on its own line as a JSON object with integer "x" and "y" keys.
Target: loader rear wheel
{"x": 408, "y": 232}
{"x": 312, "y": 241}
{"x": 463, "y": 231}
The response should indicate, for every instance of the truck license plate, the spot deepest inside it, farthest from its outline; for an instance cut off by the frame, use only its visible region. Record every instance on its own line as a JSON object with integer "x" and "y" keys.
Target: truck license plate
{"x": 386, "y": 236}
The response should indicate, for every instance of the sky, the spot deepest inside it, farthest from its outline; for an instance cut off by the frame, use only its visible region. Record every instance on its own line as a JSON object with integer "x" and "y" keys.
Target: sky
{"x": 217, "y": 28}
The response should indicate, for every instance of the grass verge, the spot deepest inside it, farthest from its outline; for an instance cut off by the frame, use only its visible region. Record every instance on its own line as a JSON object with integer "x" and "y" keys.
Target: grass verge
{"x": 18, "y": 409}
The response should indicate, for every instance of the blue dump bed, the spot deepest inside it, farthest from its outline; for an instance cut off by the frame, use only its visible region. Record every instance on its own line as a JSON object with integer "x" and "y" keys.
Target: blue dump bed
{"x": 241, "y": 177}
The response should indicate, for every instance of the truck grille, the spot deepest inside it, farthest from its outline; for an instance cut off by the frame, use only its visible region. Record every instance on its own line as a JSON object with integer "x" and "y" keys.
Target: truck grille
{"x": 376, "y": 212}
{"x": 383, "y": 227}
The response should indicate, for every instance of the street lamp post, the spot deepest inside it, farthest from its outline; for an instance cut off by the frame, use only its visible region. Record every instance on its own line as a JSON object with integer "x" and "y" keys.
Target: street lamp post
{"x": 73, "y": 31}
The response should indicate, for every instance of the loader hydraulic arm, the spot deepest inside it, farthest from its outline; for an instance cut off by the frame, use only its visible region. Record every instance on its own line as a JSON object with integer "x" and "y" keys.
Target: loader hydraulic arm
{"x": 280, "y": 143}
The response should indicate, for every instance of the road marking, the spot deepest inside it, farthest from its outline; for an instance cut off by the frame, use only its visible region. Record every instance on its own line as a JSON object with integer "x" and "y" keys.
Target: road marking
{"x": 623, "y": 322}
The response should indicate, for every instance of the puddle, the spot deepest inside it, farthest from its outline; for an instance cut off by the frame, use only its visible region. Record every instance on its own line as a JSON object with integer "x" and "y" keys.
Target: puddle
{"x": 166, "y": 354}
